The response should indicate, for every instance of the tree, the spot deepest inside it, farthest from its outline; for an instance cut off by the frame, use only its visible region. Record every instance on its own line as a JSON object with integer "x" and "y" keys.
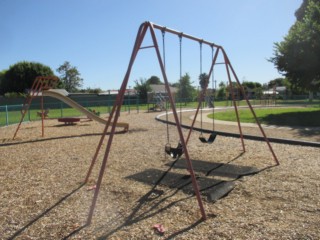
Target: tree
{"x": 91, "y": 90}
{"x": 252, "y": 88}
{"x": 276, "y": 82}
{"x": 251, "y": 85}
{"x": 221, "y": 93}
{"x": 70, "y": 77}
{"x": 142, "y": 87}
{"x": 298, "y": 56}
{"x": 154, "y": 80}
{"x": 185, "y": 89}
{"x": 203, "y": 80}
{"x": 2, "y": 74}
{"x": 20, "y": 76}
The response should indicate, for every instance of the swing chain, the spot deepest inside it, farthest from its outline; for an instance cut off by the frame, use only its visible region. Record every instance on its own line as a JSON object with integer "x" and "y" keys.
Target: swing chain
{"x": 180, "y": 79}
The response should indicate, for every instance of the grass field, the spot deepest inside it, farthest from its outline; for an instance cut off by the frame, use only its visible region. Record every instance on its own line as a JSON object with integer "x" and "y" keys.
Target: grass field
{"x": 305, "y": 117}
{"x": 292, "y": 116}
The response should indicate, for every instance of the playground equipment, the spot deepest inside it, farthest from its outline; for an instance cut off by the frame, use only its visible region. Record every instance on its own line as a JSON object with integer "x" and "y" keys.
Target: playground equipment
{"x": 62, "y": 95}
{"x": 44, "y": 86}
{"x": 114, "y": 115}
{"x": 39, "y": 84}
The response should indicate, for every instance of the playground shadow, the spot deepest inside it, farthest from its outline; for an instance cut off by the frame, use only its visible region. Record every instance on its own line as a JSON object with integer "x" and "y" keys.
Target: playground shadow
{"x": 10, "y": 142}
{"x": 211, "y": 188}
{"x": 226, "y": 170}
{"x": 289, "y": 119}
{"x": 310, "y": 132}
{"x": 44, "y": 213}
{"x": 153, "y": 202}
{"x": 303, "y": 122}
{"x": 49, "y": 139}
{"x": 216, "y": 180}
{"x": 149, "y": 204}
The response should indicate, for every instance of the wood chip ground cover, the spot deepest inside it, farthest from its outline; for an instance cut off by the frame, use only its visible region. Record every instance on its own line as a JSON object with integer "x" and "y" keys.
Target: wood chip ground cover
{"x": 42, "y": 195}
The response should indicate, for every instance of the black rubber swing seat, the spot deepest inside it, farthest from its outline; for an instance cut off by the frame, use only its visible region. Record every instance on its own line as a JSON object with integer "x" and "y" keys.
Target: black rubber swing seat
{"x": 174, "y": 152}
{"x": 210, "y": 140}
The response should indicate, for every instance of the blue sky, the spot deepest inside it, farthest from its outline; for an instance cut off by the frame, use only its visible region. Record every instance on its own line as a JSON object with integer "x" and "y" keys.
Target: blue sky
{"x": 97, "y": 36}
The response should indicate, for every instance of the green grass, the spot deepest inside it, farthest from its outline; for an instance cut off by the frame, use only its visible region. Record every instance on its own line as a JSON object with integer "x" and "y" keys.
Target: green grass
{"x": 14, "y": 114}
{"x": 305, "y": 117}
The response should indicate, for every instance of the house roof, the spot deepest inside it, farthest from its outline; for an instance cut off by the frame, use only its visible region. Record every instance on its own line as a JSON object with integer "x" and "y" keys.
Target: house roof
{"x": 160, "y": 88}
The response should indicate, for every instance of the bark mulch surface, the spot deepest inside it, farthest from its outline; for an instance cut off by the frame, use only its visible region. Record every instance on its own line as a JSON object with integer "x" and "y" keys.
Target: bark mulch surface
{"x": 42, "y": 195}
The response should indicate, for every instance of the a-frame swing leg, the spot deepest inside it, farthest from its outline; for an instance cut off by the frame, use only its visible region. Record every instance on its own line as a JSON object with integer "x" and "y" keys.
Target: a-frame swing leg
{"x": 251, "y": 109}
{"x": 229, "y": 66}
{"x": 116, "y": 112}
{"x": 226, "y": 60}
{"x": 176, "y": 118}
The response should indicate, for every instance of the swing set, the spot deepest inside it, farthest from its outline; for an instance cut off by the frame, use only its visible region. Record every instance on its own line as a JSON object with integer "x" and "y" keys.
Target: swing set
{"x": 182, "y": 145}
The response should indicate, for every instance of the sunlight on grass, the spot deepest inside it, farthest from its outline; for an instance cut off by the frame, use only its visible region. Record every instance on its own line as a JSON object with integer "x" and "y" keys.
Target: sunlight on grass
{"x": 306, "y": 117}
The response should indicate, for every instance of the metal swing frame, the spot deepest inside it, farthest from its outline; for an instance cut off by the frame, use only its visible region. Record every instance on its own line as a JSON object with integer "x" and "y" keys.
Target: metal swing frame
{"x": 115, "y": 112}
{"x": 114, "y": 115}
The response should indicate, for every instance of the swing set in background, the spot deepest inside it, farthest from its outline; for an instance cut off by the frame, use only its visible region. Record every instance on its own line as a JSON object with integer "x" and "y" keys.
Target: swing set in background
{"x": 182, "y": 145}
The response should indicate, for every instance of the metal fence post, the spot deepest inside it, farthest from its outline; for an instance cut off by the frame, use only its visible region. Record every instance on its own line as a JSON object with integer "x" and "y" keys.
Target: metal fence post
{"x": 29, "y": 115}
{"x": 137, "y": 102}
{"x": 7, "y": 116}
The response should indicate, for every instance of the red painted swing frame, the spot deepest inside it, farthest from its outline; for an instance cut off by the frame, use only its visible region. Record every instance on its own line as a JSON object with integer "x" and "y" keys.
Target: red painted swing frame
{"x": 115, "y": 112}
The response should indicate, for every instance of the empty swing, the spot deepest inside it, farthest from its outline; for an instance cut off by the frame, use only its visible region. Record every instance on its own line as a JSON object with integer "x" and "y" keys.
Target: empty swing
{"x": 212, "y": 136}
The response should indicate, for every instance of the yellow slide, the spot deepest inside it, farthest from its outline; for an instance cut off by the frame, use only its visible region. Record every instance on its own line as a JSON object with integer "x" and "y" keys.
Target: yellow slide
{"x": 62, "y": 95}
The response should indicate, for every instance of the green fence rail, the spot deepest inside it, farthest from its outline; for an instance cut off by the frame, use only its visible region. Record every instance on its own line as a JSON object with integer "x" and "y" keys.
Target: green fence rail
{"x": 11, "y": 114}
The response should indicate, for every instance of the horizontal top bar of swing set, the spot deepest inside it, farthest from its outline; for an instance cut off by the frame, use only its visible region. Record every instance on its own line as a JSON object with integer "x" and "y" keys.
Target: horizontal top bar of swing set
{"x": 162, "y": 28}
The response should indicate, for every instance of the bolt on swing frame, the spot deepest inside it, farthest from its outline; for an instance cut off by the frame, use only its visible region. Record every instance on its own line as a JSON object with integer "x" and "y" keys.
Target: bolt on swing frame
{"x": 115, "y": 112}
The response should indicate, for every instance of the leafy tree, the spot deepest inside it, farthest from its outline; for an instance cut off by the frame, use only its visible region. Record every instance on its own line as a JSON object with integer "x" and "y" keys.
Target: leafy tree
{"x": 298, "y": 56}
{"x": 2, "y": 73}
{"x": 185, "y": 89}
{"x": 203, "y": 80}
{"x": 251, "y": 85}
{"x": 276, "y": 82}
{"x": 255, "y": 86}
{"x": 222, "y": 84}
{"x": 176, "y": 84}
{"x": 20, "y": 76}
{"x": 142, "y": 87}
{"x": 154, "y": 80}
{"x": 91, "y": 90}
{"x": 300, "y": 12}
{"x": 70, "y": 77}
{"x": 221, "y": 92}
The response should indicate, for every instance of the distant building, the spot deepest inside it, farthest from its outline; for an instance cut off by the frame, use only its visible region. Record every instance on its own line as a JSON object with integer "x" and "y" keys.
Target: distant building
{"x": 131, "y": 92}
{"x": 161, "y": 88}
{"x": 276, "y": 92}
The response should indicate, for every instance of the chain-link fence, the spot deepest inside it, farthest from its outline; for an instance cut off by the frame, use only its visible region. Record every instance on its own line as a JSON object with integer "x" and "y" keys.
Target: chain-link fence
{"x": 11, "y": 114}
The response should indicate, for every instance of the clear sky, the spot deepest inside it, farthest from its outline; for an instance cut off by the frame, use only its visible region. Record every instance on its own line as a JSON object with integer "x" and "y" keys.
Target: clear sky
{"x": 97, "y": 36}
